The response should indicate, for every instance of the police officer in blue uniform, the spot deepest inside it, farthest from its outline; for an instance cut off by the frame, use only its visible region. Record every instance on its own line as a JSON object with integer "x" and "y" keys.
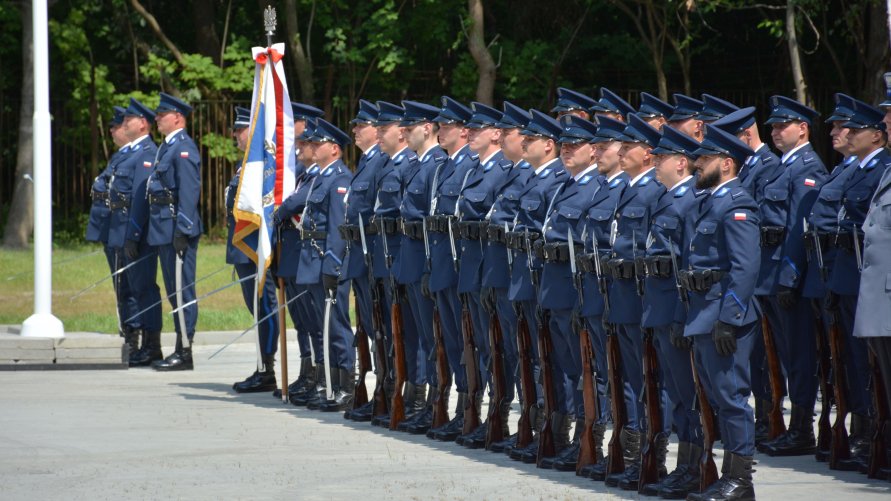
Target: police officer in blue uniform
{"x": 601, "y": 212}
{"x": 570, "y": 102}
{"x": 127, "y": 187}
{"x": 723, "y": 315}
{"x": 421, "y": 133}
{"x": 674, "y": 169}
{"x": 386, "y": 265}
{"x": 479, "y": 191}
{"x": 754, "y": 174}
{"x": 558, "y": 293}
{"x": 498, "y": 258}
{"x": 628, "y": 235}
{"x": 787, "y": 201}
{"x": 99, "y": 222}
{"x": 685, "y": 116}
{"x": 286, "y": 218}
{"x": 263, "y": 379}
{"x": 612, "y": 106}
{"x": 822, "y": 226}
{"x": 322, "y": 253}
{"x": 172, "y": 223}
{"x": 360, "y": 199}
{"x": 542, "y": 153}
{"x": 441, "y": 280}
{"x": 867, "y": 140}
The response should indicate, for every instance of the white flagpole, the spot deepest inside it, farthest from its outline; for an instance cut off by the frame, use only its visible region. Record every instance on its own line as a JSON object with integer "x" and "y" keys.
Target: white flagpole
{"x": 257, "y": 316}
{"x": 42, "y": 323}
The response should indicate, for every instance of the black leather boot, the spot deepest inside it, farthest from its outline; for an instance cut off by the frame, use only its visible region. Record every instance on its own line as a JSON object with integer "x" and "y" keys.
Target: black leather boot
{"x": 736, "y": 484}
{"x": 459, "y": 410}
{"x": 390, "y": 387}
{"x": 260, "y": 381}
{"x": 180, "y": 360}
{"x": 560, "y": 428}
{"x": 311, "y": 394}
{"x": 530, "y": 452}
{"x": 343, "y": 392}
{"x": 568, "y": 459}
{"x": 859, "y": 442}
{"x": 475, "y": 433}
{"x": 631, "y": 454}
{"x": 599, "y": 458}
{"x": 799, "y": 440}
{"x": 680, "y": 471}
{"x": 150, "y": 351}
{"x": 321, "y": 394}
{"x": 305, "y": 379}
{"x": 661, "y": 454}
{"x": 478, "y": 441}
{"x": 450, "y": 431}
{"x": 762, "y": 421}
{"x": 418, "y": 400}
{"x": 131, "y": 341}
{"x": 420, "y": 422}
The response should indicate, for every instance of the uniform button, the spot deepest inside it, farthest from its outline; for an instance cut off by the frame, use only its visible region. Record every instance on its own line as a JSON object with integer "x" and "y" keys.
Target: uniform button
{"x": 692, "y": 247}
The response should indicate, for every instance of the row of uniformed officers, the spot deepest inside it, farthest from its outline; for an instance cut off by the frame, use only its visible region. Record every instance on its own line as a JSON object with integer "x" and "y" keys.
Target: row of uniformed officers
{"x": 666, "y": 233}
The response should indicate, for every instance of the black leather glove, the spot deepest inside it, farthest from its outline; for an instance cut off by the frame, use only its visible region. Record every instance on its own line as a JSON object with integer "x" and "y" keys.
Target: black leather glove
{"x": 678, "y": 340}
{"x": 425, "y": 286}
{"x": 725, "y": 338}
{"x": 787, "y": 297}
{"x": 329, "y": 283}
{"x": 131, "y": 250}
{"x": 487, "y": 299}
{"x": 180, "y": 244}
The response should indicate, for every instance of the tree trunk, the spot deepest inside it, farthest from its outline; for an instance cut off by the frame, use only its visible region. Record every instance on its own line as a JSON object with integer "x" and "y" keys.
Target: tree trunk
{"x": 20, "y": 220}
{"x": 206, "y": 39}
{"x": 877, "y": 52}
{"x": 795, "y": 56}
{"x": 476, "y": 42}
{"x": 300, "y": 59}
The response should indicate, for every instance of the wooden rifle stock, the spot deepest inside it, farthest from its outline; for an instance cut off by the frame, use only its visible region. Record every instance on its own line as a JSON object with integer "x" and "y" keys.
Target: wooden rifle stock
{"x": 546, "y": 446}
{"x": 440, "y": 400}
{"x": 472, "y": 369}
{"x": 777, "y": 424}
{"x": 397, "y": 409}
{"x": 649, "y": 466}
{"x": 616, "y": 462}
{"x": 496, "y": 430}
{"x": 587, "y": 452}
{"x": 527, "y": 381}
{"x": 381, "y": 400}
{"x": 360, "y": 394}
{"x": 839, "y": 448}
{"x": 878, "y": 448}
{"x": 708, "y": 471}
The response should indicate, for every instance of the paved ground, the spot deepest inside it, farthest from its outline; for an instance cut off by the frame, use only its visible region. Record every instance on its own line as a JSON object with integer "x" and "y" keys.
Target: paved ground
{"x": 142, "y": 435}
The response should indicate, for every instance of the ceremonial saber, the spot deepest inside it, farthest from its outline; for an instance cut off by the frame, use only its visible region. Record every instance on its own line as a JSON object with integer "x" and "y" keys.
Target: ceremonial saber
{"x": 273, "y": 312}
{"x": 117, "y": 297}
{"x": 329, "y": 301}
{"x": 211, "y": 293}
{"x": 116, "y": 273}
{"x": 156, "y": 303}
{"x": 181, "y": 315}
{"x": 55, "y": 263}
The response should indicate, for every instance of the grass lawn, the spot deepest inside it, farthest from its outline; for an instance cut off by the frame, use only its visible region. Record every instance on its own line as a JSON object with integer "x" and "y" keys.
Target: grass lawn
{"x": 74, "y": 268}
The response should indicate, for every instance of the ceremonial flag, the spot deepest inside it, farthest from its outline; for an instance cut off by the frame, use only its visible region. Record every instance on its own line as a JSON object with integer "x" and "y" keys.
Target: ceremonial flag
{"x": 268, "y": 168}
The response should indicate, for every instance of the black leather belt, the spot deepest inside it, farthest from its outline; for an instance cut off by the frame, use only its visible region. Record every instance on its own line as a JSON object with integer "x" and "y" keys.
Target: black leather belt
{"x": 473, "y": 230}
{"x": 558, "y": 252}
{"x": 517, "y": 239}
{"x": 699, "y": 280}
{"x": 99, "y": 196}
{"x": 313, "y": 235}
{"x": 586, "y": 262}
{"x": 351, "y": 232}
{"x": 387, "y": 225}
{"x": 621, "y": 269}
{"x": 771, "y": 236}
{"x": 495, "y": 233}
{"x": 438, "y": 224}
{"x": 825, "y": 238}
{"x": 166, "y": 199}
{"x": 657, "y": 266}
{"x": 413, "y": 229}
{"x": 845, "y": 241}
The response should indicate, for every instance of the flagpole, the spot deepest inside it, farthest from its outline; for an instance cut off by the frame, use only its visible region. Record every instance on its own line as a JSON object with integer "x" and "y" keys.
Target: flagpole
{"x": 42, "y": 323}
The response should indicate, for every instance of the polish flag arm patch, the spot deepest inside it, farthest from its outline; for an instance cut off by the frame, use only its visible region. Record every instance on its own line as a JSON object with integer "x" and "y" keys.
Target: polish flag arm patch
{"x": 146, "y": 164}
{"x": 184, "y": 154}
{"x": 341, "y": 190}
{"x": 810, "y": 182}
{"x": 739, "y": 216}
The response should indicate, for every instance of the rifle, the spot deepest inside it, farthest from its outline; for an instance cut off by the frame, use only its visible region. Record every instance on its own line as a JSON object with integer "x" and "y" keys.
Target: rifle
{"x": 527, "y": 380}
{"x": 441, "y": 399}
{"x": 878, "y": 448}
{"x": 708, "y": 471}
{"x": 832, "y": 362}
{"x": 777, "y": 425}
{"x": 616, "y": 462}
{"x": 587, "y": 446}
{"x": 360, "y": 394}
{"x": 472, "y": 369}
{"x": 649, "y": 463}
{"x": 546, "y": 446}
{"x": 381, "y": 401}
{"x": 496, "y": 430}
{"x": 397, "y": 412}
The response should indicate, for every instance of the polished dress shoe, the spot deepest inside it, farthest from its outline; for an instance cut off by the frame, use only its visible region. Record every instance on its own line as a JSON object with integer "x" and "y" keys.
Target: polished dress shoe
{"x": 179, "y": 361}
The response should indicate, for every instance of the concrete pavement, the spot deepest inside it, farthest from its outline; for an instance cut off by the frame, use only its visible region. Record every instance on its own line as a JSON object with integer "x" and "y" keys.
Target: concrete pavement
{"x": 138, "y": 434}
